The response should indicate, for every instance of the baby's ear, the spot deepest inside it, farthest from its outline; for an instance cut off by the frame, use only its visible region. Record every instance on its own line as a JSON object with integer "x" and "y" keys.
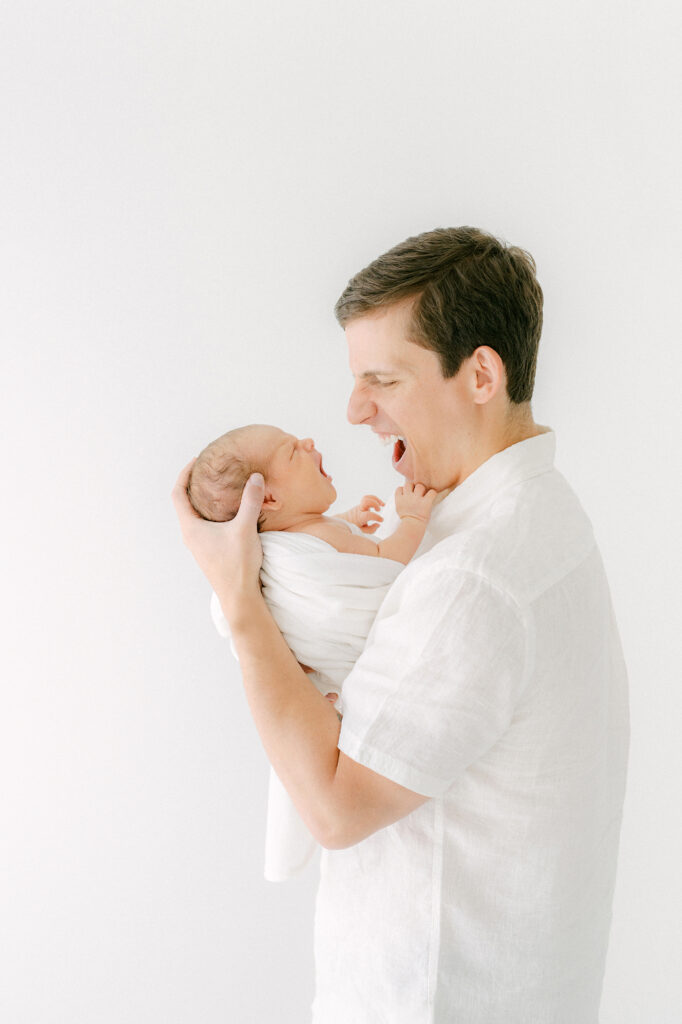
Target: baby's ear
{"x": 271, "y": 503}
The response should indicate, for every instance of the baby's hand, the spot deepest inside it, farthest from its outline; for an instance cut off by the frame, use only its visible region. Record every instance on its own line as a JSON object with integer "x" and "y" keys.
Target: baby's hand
{"x": 414, "y": 501}
{"x": 363, "y": 516}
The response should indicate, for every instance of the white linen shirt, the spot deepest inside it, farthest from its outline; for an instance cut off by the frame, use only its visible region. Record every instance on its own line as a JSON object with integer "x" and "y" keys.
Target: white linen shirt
{"x": 493, "y": 682}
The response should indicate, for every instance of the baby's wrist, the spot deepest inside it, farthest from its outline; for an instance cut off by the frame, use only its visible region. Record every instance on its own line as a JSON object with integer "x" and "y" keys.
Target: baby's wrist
{"x": 418, "y": 519}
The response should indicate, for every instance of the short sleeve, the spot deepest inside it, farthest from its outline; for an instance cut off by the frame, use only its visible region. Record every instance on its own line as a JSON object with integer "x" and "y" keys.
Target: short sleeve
{"x": 437, "y": 683}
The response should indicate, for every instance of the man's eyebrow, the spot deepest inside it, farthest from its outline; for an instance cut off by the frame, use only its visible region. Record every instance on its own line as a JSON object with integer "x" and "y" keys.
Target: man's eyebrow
{"x": 378, "y": 373}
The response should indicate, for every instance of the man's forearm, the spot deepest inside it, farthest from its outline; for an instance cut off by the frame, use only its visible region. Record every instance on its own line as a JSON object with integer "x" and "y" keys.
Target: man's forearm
{"x": 299, "y": 729}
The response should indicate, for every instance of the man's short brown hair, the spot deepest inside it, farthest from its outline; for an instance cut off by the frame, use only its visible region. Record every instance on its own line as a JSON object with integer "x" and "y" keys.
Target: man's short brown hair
{"x": 471, "y": 289}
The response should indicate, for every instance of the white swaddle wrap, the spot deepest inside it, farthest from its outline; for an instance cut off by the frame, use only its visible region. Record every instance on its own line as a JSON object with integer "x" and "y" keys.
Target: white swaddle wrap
{"x": 324, "y": 602}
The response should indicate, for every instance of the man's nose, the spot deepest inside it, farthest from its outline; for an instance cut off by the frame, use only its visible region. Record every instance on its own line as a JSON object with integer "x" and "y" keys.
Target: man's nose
{"x": 360, "y": 408}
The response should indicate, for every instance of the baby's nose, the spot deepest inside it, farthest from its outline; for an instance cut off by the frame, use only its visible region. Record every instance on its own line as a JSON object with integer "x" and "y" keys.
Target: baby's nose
{"x": 308, "y": 443}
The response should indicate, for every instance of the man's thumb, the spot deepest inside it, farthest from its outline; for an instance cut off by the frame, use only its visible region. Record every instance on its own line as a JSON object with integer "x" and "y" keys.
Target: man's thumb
{"x": 252, "y": 497}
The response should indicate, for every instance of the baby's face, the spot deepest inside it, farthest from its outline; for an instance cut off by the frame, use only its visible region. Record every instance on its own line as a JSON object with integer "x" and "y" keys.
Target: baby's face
{"x": 295, "y": 481}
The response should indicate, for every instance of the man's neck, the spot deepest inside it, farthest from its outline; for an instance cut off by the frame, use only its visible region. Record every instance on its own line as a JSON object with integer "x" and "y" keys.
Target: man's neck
{"x": 491, "y": 437}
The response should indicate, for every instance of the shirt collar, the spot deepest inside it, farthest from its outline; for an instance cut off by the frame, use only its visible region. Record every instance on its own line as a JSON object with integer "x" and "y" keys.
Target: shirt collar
{"x": 512, "y": 465}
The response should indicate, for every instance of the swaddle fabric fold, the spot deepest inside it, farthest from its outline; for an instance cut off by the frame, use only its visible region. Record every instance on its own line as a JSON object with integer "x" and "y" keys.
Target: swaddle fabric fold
{"x": 324, "y": 602}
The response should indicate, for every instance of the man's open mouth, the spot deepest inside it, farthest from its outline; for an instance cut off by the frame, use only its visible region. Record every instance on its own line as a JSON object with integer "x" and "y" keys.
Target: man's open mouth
{"x": 399, "y": 446}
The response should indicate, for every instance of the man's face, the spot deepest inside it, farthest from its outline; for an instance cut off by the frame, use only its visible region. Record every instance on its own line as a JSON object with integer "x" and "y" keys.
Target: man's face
{"x": 294, "y": 476}
{"x": 400, "y": 390}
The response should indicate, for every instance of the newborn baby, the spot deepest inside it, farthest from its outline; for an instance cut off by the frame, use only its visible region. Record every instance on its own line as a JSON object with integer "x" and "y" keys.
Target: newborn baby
{"x": 298, "y": 492}
{"x": 323, "y": 577}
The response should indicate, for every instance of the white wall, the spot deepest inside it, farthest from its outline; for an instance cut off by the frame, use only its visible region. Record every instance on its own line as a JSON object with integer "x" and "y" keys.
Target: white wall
{"x": 186, "y": 188}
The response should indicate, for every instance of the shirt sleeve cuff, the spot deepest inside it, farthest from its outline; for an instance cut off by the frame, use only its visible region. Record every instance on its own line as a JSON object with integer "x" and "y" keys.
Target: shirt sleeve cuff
{"x": 390, "y": 767}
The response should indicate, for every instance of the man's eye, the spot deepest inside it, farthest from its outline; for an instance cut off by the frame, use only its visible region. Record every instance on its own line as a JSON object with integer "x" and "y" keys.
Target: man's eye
{"x": 388, "y": 383}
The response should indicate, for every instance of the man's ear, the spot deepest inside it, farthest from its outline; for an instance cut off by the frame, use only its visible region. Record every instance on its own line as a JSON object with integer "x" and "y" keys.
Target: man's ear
{"x": 488, "y": 374}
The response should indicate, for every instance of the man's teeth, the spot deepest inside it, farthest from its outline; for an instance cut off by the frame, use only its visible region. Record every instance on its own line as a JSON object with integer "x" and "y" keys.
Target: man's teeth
{"x": 392, "y": 438}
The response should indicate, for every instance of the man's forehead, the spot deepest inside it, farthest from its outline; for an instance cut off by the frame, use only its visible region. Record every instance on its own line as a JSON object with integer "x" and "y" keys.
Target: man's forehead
{"x": 380, "y": 345}
{"x": 382, "y": 360}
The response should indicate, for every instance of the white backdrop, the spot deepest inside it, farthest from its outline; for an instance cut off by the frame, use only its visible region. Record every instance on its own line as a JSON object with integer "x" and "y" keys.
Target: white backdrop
{"x": 186, "y": 188}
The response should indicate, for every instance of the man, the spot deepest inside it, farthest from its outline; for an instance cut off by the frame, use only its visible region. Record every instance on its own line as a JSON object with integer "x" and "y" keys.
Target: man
{"x": 470, "y": 800}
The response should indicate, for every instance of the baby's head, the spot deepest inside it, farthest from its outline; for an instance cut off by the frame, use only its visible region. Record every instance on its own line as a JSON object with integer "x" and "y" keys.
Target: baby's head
{"x": 295, "y": 483}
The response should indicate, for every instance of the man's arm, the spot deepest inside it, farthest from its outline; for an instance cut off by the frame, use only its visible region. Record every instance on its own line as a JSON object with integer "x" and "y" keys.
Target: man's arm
{"x": 341, "y": 801}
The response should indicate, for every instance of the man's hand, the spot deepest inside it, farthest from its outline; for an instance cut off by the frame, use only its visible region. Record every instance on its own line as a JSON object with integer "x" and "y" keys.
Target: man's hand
{"x": 363, "y": 516}
{"x": 413, "y": 501}
{"x": 228, "y": 554}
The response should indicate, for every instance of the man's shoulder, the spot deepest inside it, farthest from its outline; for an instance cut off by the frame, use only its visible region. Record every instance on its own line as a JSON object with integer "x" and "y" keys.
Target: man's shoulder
{"x": 526, "y": 537}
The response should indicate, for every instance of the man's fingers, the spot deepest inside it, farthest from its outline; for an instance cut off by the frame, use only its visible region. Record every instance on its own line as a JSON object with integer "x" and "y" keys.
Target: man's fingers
{"x": 182, "y": 504}
{"x": 252, "y": 499}
{"x": 183, "y": 479}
